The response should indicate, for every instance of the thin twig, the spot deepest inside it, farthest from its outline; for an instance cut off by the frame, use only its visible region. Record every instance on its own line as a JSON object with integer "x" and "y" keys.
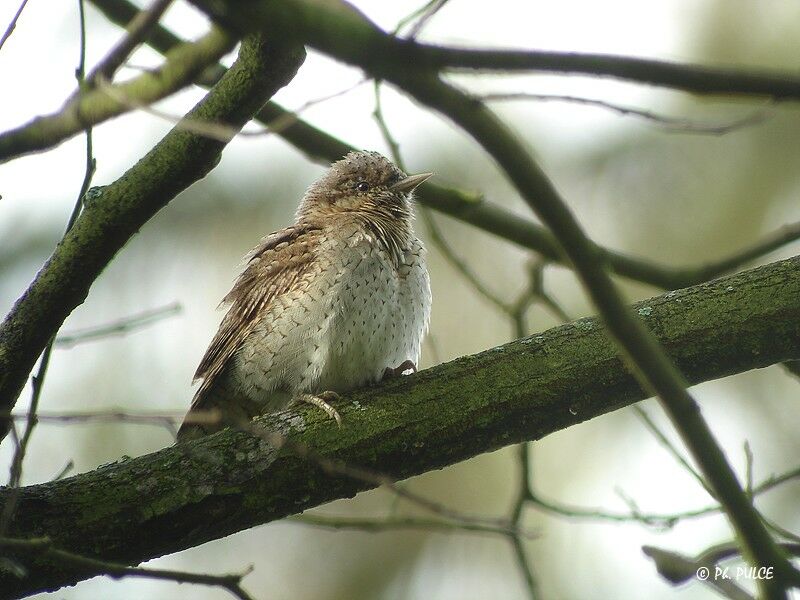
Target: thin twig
{"x": 92, "y": 106}
{"x": 423, "y": 14}
{"x": 379, "y": 525}
{"x": 120, "y": 327}
{"x": 13, "y": 24}
{"x": 168, "y": 420}
{"x": 21, "y": 444}
{"x": 217, "y": 131}
{"x": 383, "y": 127}
{"x": 770, "y": 242}
{"x": 670, "y": 447}
{"x": 65, "y": 470}
{"x": 137, "y": 30}
{"x": 430, "y": 12}
{"x": 748, "y": 470}
{"x": 44, "y": 546}
{"x": 668, "y": 123}
{"x": 458, "y": 264}
{"x": 782, "y": 531}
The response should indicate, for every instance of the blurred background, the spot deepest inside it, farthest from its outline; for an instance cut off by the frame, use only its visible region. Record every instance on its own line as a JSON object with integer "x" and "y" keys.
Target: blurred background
{"x": 675, "y": 197}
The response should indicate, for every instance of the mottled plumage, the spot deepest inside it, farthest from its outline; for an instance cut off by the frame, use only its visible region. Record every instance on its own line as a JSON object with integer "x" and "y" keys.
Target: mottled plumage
{"x": 325, "y": 305}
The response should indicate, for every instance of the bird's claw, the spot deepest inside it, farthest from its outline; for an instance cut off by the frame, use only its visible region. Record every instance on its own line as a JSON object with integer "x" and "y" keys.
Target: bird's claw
{"x": 321, "y": 401}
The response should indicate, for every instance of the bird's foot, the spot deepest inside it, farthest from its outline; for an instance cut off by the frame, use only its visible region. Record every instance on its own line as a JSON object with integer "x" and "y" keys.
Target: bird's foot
{"x": 407, "y": 365}
{"x": 321, "y": 401}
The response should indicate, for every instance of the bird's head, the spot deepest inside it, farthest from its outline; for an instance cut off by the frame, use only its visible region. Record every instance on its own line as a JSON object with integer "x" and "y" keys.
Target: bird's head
{"x": 365, "y": 183}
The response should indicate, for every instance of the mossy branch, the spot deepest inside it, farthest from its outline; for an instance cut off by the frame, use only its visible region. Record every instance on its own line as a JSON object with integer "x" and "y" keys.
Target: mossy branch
{"x": 185, "y": 495}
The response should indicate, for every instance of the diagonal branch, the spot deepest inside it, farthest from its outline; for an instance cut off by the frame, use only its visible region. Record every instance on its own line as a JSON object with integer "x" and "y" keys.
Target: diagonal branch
{"x": 93, "y": 106}
{"x": 114, "y": 214}
{"x": 183, "y": 496}
{"x": 13, "y": 24}
{"x": 137, "y": 31}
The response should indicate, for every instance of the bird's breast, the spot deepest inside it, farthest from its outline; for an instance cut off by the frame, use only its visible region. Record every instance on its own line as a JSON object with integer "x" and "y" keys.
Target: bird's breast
{"x": 357, "y": 315}
{"x": 370, "y": 329}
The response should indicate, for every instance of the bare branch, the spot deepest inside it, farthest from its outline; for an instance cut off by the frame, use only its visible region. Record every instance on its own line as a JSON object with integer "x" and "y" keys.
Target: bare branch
{"x": 45, "y": 547}
{"x": 668, "y": 123}
{"x": 119, "y": 327}
{"x": 13, "y": 24}
{"x": 436, "y": 236}
{"x": 420, "y": 18}
{"x": 382, "y": 55}
{"x": 218, "y": 131}
{"x": 676, "y": 454}
{"x": 378, "y": 525}
{"x": 138, "y": 29}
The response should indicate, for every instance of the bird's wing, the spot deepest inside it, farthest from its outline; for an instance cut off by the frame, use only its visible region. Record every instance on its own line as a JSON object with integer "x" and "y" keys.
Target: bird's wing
{"x": 274, "y": 267}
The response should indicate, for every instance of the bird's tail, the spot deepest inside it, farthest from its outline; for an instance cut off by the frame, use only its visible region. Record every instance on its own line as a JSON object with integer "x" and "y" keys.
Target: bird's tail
{"x": 214, "y": 408}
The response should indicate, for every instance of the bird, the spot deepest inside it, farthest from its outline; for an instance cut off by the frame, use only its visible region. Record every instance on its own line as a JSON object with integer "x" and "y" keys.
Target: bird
{"x": 338, "y": 300}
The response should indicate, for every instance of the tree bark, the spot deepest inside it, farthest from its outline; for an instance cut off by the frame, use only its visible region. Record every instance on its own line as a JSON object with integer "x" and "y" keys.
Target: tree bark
{"x": 188, "y": 494}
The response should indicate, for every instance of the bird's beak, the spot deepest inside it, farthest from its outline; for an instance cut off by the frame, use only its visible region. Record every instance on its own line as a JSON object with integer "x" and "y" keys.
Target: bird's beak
{"x": 410, "y": 183}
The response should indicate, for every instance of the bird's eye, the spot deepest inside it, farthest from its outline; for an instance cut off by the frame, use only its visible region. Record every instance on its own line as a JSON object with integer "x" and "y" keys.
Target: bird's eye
{"x": 362, "y": 186}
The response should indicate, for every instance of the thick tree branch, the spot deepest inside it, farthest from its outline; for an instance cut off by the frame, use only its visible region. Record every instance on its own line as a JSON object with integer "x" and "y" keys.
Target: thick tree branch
{"x": 189, "y": 494}
{"x": 119, "y": 210}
